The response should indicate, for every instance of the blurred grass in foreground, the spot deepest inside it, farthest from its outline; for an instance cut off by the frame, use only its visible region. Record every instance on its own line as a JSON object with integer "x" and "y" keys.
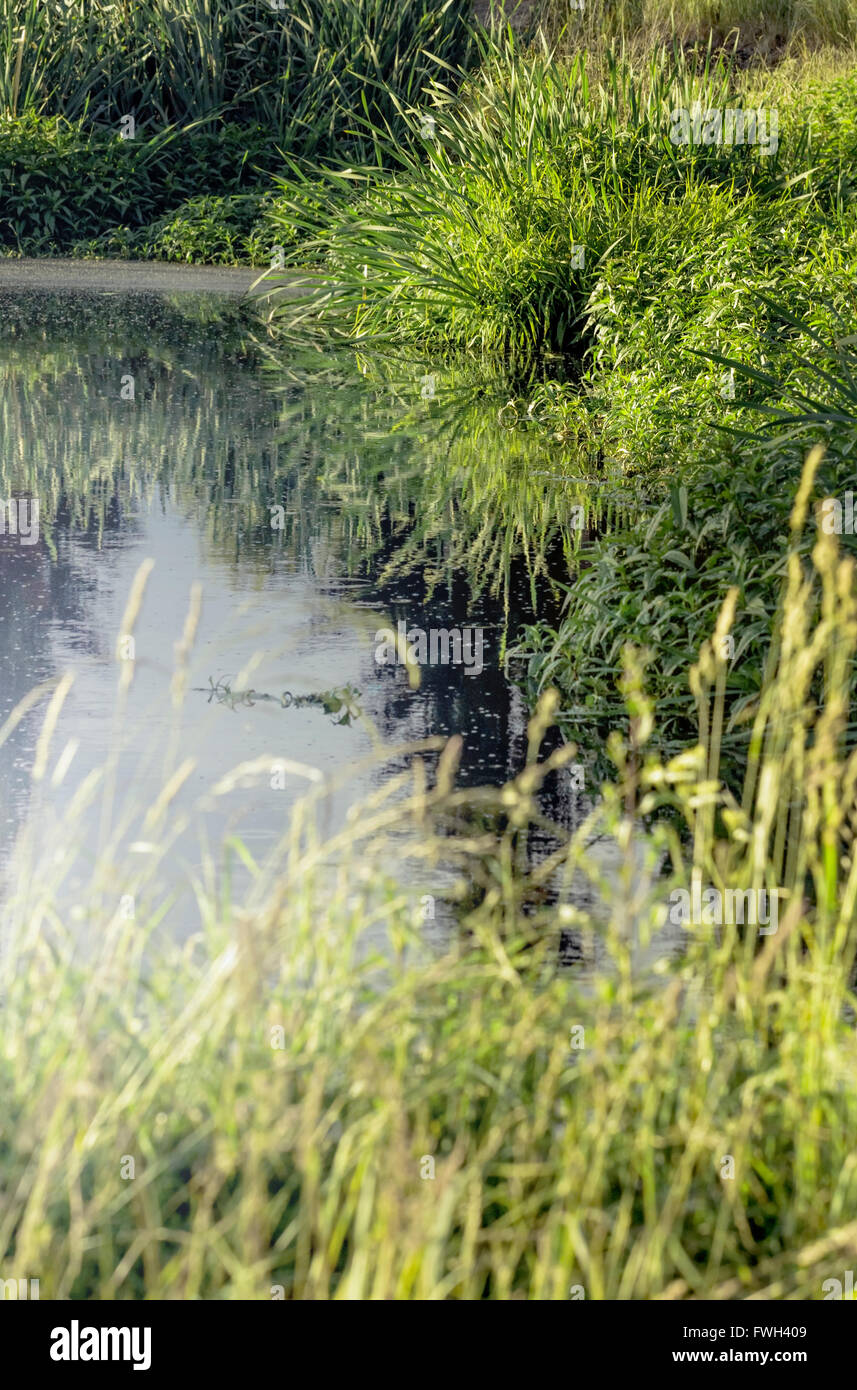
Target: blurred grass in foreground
{"x": 281, "y": 1078}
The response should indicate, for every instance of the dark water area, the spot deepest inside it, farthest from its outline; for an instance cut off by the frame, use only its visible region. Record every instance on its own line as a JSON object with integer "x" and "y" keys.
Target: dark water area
{"x": 310, "y": 504}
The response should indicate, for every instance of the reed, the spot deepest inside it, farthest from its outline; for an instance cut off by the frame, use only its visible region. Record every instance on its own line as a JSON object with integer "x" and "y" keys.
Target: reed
{"x": 302, "y": 71}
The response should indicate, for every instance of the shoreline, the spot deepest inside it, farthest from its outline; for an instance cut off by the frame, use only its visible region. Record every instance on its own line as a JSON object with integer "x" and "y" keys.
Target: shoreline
{"x": 124, "y": 277}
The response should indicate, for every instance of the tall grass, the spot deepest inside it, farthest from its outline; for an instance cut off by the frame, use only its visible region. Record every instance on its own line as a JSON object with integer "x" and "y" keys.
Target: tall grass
{"x": 288, "y": 1081}
{"x": 216, "y": 90}
{"x": 468, "y": 237}
{"x": 302, "y": 71}
{"x": 657, "y": 576}
{"x": 539, "y": 210}
{"x": 763, "y": 25}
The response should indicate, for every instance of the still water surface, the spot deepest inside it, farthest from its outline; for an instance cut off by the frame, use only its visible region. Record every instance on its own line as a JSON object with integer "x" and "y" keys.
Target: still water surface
{"x": 159, "y": 430}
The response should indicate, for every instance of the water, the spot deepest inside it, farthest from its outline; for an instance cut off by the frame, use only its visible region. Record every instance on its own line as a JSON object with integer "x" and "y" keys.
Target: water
{"x": 308, "y": 506}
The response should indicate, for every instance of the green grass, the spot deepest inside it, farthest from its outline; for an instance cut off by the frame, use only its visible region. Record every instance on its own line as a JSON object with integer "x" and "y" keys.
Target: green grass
{"x": 321, "y": 82}
{"x": 217, "y": 89}
{"x": 465, "y": 240}
{"x": 699, "y": 261}
{"x": 657, "y": 575}
{"x": 281, "y": 1080}
{"x": 65, "y": 184}
{"x": 303, "y": 71}
{"x": 208, "y": 229}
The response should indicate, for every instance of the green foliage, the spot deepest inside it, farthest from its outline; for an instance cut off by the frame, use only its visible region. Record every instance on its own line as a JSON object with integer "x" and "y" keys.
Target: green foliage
{"x": 297, "y": 1161}
{"x": 467, "y": 236}
{"x": 303, "y": 69}
{"x": 217, "y": 89}
{"x": 208, "y": 229}
{"x": 62, "y": 183}
{"x": 658, "y": 578}
{"x": 466, "y": 240}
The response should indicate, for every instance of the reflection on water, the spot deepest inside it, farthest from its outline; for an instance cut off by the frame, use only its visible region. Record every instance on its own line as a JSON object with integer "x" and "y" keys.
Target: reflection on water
{"x": 313, "y": 508}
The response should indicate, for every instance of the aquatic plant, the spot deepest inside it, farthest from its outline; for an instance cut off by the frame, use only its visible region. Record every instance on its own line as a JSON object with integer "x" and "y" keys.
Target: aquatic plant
{"x": 342, "y": 701}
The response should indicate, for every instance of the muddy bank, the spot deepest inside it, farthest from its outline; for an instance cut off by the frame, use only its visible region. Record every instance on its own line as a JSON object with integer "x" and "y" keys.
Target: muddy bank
{"x": 120, "y": 277}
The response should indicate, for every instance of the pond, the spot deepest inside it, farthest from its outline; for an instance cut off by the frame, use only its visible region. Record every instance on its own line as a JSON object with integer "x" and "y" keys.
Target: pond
{"x": 305, "y": 510}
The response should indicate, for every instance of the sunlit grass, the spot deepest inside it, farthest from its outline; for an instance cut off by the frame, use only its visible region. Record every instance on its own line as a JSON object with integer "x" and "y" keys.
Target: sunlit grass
{"x": 766, "y": 27}
{"x": 470, "y": 236}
